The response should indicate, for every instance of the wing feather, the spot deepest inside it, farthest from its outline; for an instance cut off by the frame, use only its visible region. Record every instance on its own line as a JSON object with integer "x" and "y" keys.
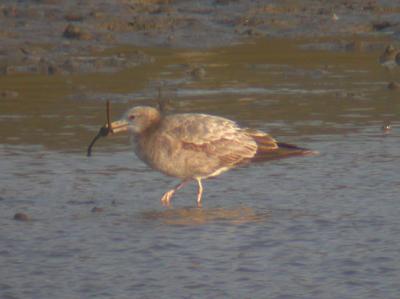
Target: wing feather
{"x": 217, "y": 137}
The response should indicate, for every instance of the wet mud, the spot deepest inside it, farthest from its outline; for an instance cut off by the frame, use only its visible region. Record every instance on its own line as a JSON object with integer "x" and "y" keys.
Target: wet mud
{"x": 53, "y": 37}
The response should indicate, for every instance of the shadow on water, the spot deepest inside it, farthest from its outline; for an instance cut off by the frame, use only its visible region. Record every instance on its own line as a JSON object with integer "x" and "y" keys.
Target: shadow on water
{"x": 199, "y": 216}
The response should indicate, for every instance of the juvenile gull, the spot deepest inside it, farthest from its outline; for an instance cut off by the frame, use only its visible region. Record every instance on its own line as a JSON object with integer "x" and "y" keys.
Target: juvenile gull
{"x": 192, "y": 146}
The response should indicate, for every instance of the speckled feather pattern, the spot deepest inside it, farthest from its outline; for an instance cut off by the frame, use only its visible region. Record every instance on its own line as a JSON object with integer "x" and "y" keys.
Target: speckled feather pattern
{"x": 195, "y": 145}
{"x": 191, "y": 145}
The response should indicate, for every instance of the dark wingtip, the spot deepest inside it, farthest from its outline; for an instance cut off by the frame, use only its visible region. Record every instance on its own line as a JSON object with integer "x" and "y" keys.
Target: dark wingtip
{"x": 300, "y": 150}
{"x": 284, "y": 150}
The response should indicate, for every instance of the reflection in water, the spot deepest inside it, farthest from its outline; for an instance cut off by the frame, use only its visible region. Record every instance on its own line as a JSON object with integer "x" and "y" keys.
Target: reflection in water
{"x": 196, "y": 216}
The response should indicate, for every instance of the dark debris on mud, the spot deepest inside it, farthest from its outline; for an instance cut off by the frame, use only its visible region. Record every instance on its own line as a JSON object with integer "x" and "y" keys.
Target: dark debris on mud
{"x": 81, "y": 30}
{"x": 21, "y": 217}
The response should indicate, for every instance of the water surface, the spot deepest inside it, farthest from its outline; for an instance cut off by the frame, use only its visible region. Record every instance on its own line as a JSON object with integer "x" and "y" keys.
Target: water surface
{"x": 320, "y": 227}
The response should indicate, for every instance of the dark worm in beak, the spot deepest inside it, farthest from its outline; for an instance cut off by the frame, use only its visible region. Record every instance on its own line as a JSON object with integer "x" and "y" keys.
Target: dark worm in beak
{"x": 103, "y": 132}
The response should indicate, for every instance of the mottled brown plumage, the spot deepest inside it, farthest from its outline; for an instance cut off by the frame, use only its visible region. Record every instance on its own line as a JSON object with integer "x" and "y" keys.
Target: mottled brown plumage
{"x": 193, "y": 146}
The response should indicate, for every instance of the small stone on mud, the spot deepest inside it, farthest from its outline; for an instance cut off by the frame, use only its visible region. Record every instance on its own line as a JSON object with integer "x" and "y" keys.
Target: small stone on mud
{"x": 97, "y": 14}
{"x": 394, "y": 86}
{"x": 73, "y": 17}
{"x": 381, "y": 25}
{"x": 8, "y": 94}
{"x": 198, "y": 73}
{"x": 21, "y": 217}
{"x": 97, "y": 210}
{"x": 75, "y": 32}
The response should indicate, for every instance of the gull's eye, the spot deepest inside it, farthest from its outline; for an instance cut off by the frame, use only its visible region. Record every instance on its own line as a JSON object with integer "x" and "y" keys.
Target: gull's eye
{"x": 131, "y": 117}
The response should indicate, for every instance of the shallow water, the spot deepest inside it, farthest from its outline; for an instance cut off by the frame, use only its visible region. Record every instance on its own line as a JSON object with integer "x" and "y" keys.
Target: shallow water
{"x": 315, "y": 227}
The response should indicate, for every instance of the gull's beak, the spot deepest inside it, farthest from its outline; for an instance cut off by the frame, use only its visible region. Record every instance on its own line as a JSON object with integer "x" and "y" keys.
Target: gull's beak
{"x": 118, "y": 126}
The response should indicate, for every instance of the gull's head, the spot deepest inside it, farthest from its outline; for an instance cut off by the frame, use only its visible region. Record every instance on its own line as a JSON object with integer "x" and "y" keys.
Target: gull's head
{"x": 137, "y": 120}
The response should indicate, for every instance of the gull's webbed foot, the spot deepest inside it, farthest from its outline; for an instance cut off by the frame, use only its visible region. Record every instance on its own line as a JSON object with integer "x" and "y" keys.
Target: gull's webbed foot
{"x": 166, "y": 198}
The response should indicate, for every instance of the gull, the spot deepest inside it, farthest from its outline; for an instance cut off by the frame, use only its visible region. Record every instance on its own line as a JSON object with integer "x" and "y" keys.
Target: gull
{"x": 194, "y": 146}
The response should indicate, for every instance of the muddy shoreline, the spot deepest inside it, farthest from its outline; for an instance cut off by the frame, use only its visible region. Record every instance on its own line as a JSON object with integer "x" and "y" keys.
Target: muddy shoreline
{"x": 50, "y": 37}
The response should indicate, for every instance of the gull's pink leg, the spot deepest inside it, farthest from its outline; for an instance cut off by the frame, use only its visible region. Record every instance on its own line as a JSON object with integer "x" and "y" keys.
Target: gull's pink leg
{"x": 199, "y": 192}
{"x": 166, "y": 198}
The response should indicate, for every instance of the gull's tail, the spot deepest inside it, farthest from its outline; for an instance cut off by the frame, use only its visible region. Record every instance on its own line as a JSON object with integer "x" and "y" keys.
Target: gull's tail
{"x": 270, "y": 149}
